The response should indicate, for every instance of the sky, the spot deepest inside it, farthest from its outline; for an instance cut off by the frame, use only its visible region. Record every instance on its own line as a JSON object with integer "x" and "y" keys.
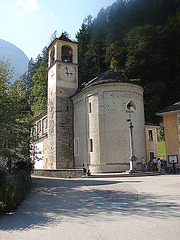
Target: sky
{"x": 29, "y": 24}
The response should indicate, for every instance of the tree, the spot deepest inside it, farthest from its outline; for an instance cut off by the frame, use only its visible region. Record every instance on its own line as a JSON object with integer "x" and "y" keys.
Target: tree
{"x": 83, "y": 37}
{"x": 116, "y": 56}
{"x": 38, "y": 97}
{"x": 14, "y": 128}
{"x": 151, "y": 58}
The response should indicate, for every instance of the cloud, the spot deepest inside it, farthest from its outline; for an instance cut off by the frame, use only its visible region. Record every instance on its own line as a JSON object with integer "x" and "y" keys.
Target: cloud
{"x": 24, "y": 6}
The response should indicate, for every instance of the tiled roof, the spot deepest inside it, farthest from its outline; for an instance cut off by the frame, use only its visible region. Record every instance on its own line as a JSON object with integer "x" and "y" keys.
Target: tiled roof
{"x": 64, "y": 38}
{"x": 107, "y": 77}
{"x": 172, "y": 108}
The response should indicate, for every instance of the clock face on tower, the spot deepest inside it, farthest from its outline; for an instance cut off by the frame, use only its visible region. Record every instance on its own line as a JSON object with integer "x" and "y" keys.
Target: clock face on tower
{"x": 66, "y": 72}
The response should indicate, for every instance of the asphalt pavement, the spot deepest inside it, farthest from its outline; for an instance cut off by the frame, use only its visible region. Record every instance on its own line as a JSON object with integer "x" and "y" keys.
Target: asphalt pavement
{"x": 120, "y": 208}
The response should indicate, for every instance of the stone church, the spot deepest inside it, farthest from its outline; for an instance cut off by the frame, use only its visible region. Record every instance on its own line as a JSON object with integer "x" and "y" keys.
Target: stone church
{"x": 88, "y": 124}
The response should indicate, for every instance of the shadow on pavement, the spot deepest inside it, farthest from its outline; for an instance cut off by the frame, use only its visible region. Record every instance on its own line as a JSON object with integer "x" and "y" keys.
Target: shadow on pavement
{"x": 56, "y": 200}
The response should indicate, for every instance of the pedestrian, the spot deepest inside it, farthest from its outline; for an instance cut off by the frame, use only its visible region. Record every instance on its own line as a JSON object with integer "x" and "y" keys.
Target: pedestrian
{"x": 143, "y": 164}
{"x": 150, "y": 165}
{"x": 84, "y": 169}
{"x": 155, "y": 164}
{"x": 159, "y": 165}
{"x": 174, "y": 167}
{"x": 88, "y": 172}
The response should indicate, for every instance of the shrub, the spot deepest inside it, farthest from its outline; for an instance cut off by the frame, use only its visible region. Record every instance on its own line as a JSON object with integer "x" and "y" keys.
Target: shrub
{"x": 13, "y": 188}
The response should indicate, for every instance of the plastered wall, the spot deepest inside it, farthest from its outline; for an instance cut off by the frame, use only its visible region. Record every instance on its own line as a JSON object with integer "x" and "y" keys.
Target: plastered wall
{"x": 106, "y": 125}
{"x": 171, "y": 136}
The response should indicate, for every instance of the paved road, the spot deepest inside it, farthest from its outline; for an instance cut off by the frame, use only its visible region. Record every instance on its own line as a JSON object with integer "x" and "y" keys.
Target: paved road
{"x": 98, "y": 209}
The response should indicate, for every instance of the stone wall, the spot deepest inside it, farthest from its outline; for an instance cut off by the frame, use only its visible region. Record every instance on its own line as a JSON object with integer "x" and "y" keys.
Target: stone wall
{"x": 64, "y": 133}
{"x": 59, "y": 173}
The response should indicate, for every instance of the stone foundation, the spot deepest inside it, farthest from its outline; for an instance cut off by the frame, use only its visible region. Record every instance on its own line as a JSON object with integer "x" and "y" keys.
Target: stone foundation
{"x": 58, "y": 173}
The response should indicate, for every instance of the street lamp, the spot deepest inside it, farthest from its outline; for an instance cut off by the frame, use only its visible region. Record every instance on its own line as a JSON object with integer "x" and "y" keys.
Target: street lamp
{"x": 132, "y": 158}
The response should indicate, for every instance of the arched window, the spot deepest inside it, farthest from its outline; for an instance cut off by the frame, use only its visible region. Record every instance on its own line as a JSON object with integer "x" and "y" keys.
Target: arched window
{"x": 131, "y": 106}
{"x": 66, "y": 54}
{"x": 52, "y": 55}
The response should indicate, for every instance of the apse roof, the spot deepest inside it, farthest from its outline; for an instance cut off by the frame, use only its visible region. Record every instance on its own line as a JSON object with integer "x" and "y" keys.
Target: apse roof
{"x": 107, "y": 77}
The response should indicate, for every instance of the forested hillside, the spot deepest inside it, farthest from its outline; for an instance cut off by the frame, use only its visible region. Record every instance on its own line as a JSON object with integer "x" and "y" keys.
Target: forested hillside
{"x": 139, "y": 38}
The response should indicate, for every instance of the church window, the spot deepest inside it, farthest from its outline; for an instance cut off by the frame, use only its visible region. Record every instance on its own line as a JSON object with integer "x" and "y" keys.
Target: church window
{"x": 44, "y": 125}
{"x": 52, "y": 55}
{"x": 39, "y": 126}
{"x": 66, "y": 54}
{"x": 150, "y": 134}
{"x": 89, "y": 107}
{"x": 131, "y": 106}
{"x": 76, "y": 146}
{"x": 151, "y": 155}
{"x": 90, "y": 145}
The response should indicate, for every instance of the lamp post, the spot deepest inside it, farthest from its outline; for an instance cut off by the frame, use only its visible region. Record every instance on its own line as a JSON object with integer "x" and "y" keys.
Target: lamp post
{"x": 132, "y": 158}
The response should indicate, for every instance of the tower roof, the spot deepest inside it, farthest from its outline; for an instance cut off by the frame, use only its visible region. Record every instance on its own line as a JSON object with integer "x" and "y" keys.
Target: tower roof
{"x": 62, "y": 38}
{"x": 107, "y": 77}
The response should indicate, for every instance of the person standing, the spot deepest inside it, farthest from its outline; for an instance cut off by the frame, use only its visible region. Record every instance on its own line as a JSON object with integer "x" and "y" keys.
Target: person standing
{"x": 174, "y": 167}
{"x": 159, "y": 165}
{"x": 155, "y": 164}
{"x": 143, "y": 164}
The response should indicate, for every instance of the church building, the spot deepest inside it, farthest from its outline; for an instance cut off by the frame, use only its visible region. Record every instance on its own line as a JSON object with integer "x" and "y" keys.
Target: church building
{"x": 99, "y": 124}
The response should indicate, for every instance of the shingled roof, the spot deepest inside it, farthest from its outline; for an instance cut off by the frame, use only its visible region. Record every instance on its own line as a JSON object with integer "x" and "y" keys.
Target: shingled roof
{"x": 107, "y": 77}
{"x": 173, "y": 108}
{"x": 64, "y": 38}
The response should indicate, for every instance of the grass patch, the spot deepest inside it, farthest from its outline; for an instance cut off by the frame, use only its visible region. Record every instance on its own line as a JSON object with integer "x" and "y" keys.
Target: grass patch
{"x": 161, "y": 148}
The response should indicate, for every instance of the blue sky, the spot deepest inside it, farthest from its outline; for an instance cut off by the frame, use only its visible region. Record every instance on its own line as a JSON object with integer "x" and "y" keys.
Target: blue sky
{"x": 29, "y": 24}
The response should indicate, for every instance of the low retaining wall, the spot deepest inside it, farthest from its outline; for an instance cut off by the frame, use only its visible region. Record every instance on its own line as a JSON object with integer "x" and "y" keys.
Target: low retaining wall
{"x": 168, "y": 169}
{"x": 58, "y": 173}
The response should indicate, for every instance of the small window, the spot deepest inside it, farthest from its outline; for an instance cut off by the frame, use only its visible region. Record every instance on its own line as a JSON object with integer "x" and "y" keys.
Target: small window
{"x": 150, "y": 133}
{"x": 39, "y": 127}
{"x": 52, "y": 55}
{"x": 44, "y": 125}
{"x": 76, "y": 146}
{"x": 90, "y": 145}
{"x": 131, "y": 106}
{"x": 151, "y": 155}
{"x": 89, "y": 107}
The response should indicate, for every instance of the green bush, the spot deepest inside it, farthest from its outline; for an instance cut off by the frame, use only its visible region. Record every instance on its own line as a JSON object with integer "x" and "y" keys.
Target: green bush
{"x": 161, "y": 148}
{"x": 13, "y": 188}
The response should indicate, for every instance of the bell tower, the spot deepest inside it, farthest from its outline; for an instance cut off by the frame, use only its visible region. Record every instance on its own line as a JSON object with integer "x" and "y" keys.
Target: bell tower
{"x": 62, "y": 84}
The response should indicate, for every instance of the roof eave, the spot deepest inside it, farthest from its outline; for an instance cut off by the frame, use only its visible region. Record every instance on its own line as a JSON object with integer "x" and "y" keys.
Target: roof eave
{"x": 168, "y": 113}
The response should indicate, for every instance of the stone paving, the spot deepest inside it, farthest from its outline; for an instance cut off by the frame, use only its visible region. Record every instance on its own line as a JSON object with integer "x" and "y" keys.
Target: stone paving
{"x": 98, "y": 209}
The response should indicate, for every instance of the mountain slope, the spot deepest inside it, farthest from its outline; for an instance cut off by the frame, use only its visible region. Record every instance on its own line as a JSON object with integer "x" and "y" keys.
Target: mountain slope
{"x": 18, "y": 59}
